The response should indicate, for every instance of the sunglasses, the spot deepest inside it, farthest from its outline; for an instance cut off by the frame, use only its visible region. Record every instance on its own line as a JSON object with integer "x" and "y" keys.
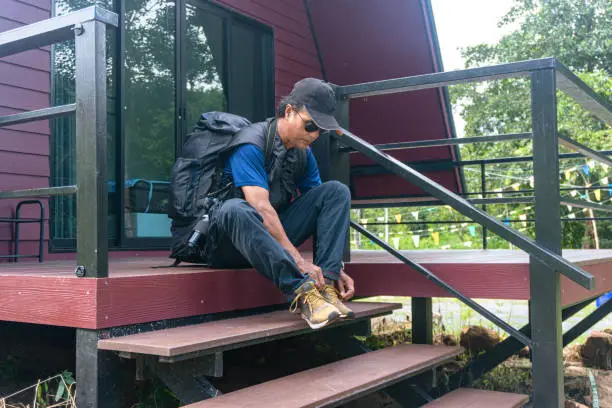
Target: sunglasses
{"x": 309, "y": 125}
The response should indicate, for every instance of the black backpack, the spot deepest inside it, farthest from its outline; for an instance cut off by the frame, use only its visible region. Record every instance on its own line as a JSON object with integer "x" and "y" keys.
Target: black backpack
{"x": 198, "y": 171}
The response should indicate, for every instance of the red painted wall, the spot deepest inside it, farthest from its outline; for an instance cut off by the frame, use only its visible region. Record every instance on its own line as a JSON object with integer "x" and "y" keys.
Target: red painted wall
{"x": 371, "y": 40}
{"x": 24, "y": 149}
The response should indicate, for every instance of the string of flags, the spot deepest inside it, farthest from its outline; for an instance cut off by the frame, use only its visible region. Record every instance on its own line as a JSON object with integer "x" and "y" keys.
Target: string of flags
{"x": 434, "y": 233}
{"x": 605, "y": 184}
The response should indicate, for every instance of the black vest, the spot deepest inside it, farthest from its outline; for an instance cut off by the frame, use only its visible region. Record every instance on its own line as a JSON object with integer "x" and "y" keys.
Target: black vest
{"x": 285, "y": 168}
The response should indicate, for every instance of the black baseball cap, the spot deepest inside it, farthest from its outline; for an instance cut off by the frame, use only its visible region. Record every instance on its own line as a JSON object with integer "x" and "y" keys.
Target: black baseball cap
{"x": 319, "y": 99}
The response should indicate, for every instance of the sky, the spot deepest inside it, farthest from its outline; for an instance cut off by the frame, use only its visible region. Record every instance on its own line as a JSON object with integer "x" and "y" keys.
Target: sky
{"x": 461, "y": 23}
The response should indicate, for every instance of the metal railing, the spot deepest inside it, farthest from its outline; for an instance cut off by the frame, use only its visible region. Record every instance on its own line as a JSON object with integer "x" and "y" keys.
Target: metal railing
{"x": 516, "y": 196}
{"x": 546, "y": 262}
{"x": 87, "y": 27}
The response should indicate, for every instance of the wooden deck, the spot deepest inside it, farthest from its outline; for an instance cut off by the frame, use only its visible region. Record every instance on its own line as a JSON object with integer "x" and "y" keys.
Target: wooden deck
{"x": 138, "y": 290}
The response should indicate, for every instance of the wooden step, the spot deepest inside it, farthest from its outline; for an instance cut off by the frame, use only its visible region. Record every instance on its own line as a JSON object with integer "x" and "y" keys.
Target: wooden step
{"x": 230, "y": 333}
{"x": 337, "y": 382}
{"x": 472, "y": 398}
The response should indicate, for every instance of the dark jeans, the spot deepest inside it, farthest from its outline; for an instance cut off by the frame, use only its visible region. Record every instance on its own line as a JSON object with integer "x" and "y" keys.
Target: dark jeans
{"x": 239, "y": 238}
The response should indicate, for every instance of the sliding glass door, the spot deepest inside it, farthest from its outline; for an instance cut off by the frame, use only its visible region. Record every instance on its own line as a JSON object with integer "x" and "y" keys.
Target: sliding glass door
{"x": 178, "y": 59}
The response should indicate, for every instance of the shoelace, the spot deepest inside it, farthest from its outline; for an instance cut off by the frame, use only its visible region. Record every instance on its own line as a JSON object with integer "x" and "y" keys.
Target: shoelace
{"x": 312, "y": 297}
{"x": 332, "y": 294}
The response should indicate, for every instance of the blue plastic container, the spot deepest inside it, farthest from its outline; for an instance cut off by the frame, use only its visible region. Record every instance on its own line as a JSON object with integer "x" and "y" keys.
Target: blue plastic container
{"x": 603, "y": 299}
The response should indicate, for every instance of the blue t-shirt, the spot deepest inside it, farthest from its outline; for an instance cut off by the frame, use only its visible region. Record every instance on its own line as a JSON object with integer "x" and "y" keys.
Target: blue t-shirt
{"x": 246, "y": 164}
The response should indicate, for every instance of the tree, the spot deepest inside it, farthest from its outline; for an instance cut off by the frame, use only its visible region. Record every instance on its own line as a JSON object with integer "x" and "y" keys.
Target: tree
{"x": 576, "y": 32}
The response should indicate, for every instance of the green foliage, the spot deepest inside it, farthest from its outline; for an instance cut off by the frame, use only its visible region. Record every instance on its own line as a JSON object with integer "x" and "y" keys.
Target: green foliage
{"x": 506, "y": 378}
{"x": 55, "y": 391}
{"x": 155, "y": 395}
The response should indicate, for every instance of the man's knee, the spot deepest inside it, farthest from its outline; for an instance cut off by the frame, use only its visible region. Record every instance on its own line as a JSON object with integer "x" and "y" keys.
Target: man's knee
{"x": 337, "y": 190}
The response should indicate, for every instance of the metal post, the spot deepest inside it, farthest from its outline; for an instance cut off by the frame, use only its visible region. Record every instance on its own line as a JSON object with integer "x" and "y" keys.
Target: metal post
{"x": 91, "y": 141}
{"x": 546, "y": 330}
{"x": 483, "y": 188}
{"x": 95, "y": 376}
{"x": 340, "y": 161}
{"x": 422, "y": 323}
{"x": 98, "y": 373}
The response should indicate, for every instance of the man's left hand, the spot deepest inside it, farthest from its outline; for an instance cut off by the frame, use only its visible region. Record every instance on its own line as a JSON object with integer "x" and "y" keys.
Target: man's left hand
{"x": 345, "y": 285}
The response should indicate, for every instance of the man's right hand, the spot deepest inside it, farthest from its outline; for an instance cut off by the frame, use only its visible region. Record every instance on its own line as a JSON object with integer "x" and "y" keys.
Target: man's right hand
{"x": 314, "y": 272}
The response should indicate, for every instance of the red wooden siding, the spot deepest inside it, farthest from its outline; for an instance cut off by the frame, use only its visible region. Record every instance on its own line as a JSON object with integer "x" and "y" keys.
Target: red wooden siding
{"x": 135, "y": 292}
{"x": 363, "y": 41}
{"x": 24, "y": 149}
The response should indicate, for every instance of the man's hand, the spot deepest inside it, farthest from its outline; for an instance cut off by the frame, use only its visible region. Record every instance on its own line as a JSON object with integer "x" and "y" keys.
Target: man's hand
{"x": 345, "y": 285}
{"x": 314, "y": 272}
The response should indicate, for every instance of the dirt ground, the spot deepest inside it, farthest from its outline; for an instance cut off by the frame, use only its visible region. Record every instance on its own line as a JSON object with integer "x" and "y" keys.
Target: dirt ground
{"x": 24, "y": 359}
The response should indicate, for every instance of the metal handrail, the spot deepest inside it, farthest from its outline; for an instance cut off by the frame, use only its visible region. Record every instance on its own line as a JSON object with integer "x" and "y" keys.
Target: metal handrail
{"x": 441, "y": 79}
{"x": 569, "y": 83}
{"x": 574, "y": 87}
{"x": 87, "y": 27}
{"x": 39, "y": 192}
{"x": 446, "y": 142}
{"x": 528, "y": 245}
{"x": 40, "y": 114}
{"x": 53, "y": 30}
{"x": 584, "y": 150}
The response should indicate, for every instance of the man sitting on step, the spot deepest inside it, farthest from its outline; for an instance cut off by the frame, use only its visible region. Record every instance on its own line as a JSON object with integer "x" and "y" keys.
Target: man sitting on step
{"x": 264, "y": 227}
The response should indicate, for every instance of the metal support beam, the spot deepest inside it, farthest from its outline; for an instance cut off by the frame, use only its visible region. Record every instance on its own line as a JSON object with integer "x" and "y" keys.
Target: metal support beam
{"x": 450, "y": 289}
{"x": 586, "y": 323}
{"x": 420, "y": 202}
{"x": 341, "y": 164}
{"x": 483, "y": 189}
{"x": 584, "y": 150}
{"x": 40, "y": 114}
{"x": 97, "y": 372}
{"x": 485, "y": 362}
{"x": 439, "y": 79}
{"x": 422, "y": 322}
{"x": 187, "y": 379}
{"x": 91, "y": 143}
{"x": 573, "y": 86}
{"x": 39, "y": 192}
{"x": 549, "y": 258}
{"x": 51, "y": 31}
{"x": 586, "y": 204}
{"x": 545, "y": 280}
{"x": 449, "y": 142}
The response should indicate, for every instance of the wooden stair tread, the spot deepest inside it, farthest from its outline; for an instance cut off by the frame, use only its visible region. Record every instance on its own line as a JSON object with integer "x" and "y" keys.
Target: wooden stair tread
{"x": 225, "y": 333}
{"x": 339, "y": 381}
{"x": 473, "y": 398}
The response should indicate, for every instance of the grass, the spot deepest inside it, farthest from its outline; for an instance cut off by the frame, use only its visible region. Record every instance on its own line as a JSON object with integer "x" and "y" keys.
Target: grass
{"x": 451, "y": 315}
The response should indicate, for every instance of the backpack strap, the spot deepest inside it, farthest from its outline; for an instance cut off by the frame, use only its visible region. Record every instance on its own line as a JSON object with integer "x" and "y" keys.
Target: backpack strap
{"x": 300, "y": 166}
{"x": 269, "y": 142}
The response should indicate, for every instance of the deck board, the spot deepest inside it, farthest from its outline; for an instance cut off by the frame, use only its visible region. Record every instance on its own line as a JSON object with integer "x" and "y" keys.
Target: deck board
{"x": 339, "y": 381}
{"x": 473, "y": 398}
{"x": 145, "y": 289}
{"x": 227, "y": 333}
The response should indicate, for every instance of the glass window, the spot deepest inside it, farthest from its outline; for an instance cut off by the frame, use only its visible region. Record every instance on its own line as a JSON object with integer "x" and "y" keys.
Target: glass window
{"x": 205, "y": 65}
{"x": 149, "y": 115}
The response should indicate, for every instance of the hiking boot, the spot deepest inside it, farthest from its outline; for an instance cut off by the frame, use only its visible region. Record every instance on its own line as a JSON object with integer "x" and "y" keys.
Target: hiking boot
{"x": 330, "y": 293}
{"x": 317, "y": 311}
